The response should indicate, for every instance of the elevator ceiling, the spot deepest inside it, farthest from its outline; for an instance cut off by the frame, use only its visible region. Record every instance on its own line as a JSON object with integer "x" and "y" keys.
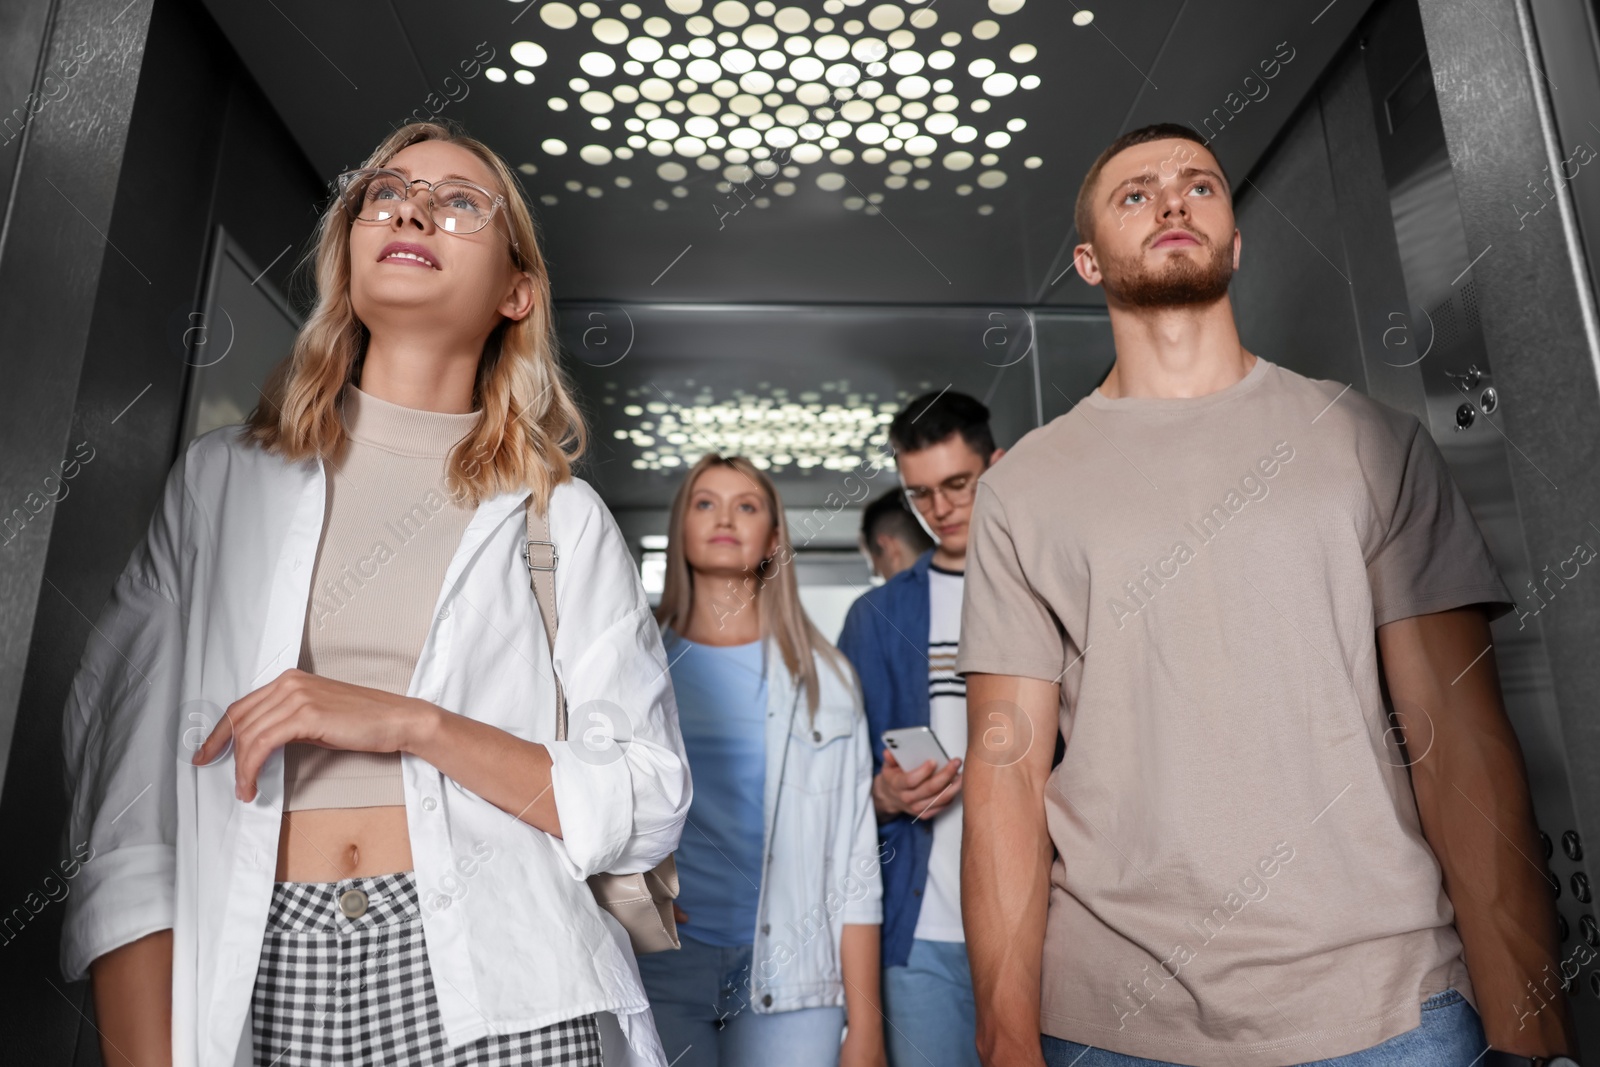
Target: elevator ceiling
{"x": 946, "y": 177}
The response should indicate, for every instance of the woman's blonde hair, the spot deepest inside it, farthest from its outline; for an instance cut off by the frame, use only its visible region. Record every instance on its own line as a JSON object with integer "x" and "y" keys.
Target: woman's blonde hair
{"x": 772, "y": 588}
{"x": 530, "y": 431}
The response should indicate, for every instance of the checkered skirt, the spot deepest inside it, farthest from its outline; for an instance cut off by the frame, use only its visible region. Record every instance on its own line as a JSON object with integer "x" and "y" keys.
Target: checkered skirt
{"x": 337, "y": 990}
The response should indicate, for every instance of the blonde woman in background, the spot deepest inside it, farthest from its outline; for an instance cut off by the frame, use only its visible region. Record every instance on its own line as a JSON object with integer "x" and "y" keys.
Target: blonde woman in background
{"x": 778, "y": 865}
{"x": 314, "y": 744}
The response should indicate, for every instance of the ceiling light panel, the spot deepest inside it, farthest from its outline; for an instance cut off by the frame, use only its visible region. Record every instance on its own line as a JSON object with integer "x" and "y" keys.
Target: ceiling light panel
{"x": 746, "y": 89}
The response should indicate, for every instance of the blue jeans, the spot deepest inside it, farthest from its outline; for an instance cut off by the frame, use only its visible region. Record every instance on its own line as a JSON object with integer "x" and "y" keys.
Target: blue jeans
{"x": 1450, "y": 1035}
{"x": 928, "y": 1006}
{"x": 700, "y": 997}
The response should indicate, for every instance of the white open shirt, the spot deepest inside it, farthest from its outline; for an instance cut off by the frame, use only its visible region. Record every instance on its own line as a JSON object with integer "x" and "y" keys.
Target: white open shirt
{"x": 212, "y": 606}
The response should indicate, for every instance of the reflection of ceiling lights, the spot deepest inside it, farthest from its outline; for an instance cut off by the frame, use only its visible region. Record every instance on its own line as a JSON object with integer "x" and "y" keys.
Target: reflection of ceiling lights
{"x": 832, "y": 427}
{"x": 741, "y": 83}
{"x": 1082, "y": 17}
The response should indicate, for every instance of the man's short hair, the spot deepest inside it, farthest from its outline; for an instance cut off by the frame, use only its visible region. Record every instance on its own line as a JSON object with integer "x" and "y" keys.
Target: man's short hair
{"x": 1083, "y": 212}
{"x": 932, "y": 417}
{"x": 888, "y": 514}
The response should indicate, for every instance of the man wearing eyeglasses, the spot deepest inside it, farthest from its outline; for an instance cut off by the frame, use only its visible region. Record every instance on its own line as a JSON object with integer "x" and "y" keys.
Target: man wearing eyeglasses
{"x": 902, "y": 639}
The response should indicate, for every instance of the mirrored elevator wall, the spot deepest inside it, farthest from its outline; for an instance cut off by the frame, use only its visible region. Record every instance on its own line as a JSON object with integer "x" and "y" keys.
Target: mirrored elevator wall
{"x": 1357, "y": 267}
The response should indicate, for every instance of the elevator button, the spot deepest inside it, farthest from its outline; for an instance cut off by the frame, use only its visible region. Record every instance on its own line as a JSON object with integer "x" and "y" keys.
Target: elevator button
{"x": 1544, "y": 839}
{"x": 1589, "y": 931}
{"x": 1572, "y": 845}
{"x": 1464, "y": 416}
{"x": 1563, "y": 929}
{"x": 1580, "y": 887}
{"x": 1594, "y": 982}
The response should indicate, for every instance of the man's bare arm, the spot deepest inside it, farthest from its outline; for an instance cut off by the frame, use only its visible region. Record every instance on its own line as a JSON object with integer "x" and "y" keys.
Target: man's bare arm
{"x": 1477, "y": 814}
{"x": 1005, "y": 858}
{"x": 133, "y": 1002}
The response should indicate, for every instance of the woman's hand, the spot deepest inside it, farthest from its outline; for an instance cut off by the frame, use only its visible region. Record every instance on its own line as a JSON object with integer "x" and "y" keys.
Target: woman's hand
{"x": 297, "y": 706}
{"x": 858, "y": 962}
{"x": 863, "y": 1045}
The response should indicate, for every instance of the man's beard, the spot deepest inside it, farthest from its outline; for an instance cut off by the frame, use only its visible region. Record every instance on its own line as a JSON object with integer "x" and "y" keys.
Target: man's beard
{"x": 1178, "y": 282}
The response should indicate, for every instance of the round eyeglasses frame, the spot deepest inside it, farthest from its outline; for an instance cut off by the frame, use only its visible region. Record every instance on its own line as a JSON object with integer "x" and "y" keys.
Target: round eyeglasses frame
{"x": 350, "y": 178}
{"x": 959, "y": 496}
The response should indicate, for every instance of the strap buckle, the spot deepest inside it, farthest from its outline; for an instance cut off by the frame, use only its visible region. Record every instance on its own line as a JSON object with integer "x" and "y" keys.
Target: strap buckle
{"x": 527, "y": 555}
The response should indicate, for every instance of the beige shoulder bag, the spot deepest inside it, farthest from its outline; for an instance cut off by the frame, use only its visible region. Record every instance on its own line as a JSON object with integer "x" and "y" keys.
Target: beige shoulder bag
{"x": 642, "y": 903}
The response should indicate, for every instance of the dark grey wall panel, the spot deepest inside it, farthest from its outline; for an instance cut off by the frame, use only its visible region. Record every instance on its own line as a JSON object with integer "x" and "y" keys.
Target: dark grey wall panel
{"x": 23, "y": 31}
{"x": 1390, "y": 341}
{"x": 1292, "y": 292}
{"x": 67, "y": 163}
{"x": 194, "y": 126}
{"x": 1076, "y": 351}
{"x": 50, "y": 264}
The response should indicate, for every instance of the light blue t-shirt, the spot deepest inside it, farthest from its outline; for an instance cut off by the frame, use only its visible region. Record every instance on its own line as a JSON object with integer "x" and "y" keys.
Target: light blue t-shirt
{"x": 722, "y": 711}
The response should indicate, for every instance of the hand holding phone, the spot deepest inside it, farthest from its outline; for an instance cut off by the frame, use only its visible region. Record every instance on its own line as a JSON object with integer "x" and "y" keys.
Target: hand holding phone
{"x": 918, "y": 777}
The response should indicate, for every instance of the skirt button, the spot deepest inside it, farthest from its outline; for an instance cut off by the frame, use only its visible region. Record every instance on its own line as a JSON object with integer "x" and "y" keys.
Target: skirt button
{"x": 353, "y": 902}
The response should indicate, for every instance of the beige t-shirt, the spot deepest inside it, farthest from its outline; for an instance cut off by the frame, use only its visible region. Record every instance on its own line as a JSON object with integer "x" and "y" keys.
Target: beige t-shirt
{"x": 1241, "y": 876}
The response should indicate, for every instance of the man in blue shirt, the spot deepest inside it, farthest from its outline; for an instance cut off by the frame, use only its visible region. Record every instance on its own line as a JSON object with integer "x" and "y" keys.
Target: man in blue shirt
{"x": 902, "y": 639}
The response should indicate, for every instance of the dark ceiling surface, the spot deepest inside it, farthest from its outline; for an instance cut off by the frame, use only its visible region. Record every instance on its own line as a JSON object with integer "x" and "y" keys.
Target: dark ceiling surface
{"x": 942, "y": 178}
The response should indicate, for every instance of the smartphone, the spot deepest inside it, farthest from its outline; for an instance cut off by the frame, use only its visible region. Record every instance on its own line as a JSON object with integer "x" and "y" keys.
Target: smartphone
{"x": 915, "y": 745}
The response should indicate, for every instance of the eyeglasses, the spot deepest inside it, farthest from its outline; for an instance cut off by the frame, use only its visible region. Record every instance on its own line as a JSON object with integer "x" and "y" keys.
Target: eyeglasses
{"x": 374, "y": 194}
{"x": 958, "y": 489}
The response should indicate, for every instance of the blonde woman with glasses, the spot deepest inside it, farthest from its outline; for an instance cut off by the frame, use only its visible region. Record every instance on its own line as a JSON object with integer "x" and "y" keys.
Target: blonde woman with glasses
{"x": 314, "y": 744}
{"x": 779, "y": 899}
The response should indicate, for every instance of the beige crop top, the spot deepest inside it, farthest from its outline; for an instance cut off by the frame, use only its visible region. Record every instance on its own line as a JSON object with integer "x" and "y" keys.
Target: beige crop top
{"x": 388, "y": 535}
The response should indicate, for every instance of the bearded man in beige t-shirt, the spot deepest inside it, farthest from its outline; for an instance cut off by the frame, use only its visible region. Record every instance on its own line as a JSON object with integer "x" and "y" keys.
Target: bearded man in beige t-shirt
{"x": 1236, "y": 861}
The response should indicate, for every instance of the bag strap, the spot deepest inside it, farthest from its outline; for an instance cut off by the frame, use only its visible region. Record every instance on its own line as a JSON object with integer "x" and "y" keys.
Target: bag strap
{"x": 541, "y": 576}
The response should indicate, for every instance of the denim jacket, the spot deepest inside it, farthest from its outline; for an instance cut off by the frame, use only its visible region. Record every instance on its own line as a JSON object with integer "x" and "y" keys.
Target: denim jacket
{"x": 820, "y": 867}
{"x": 885, "y": 636}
